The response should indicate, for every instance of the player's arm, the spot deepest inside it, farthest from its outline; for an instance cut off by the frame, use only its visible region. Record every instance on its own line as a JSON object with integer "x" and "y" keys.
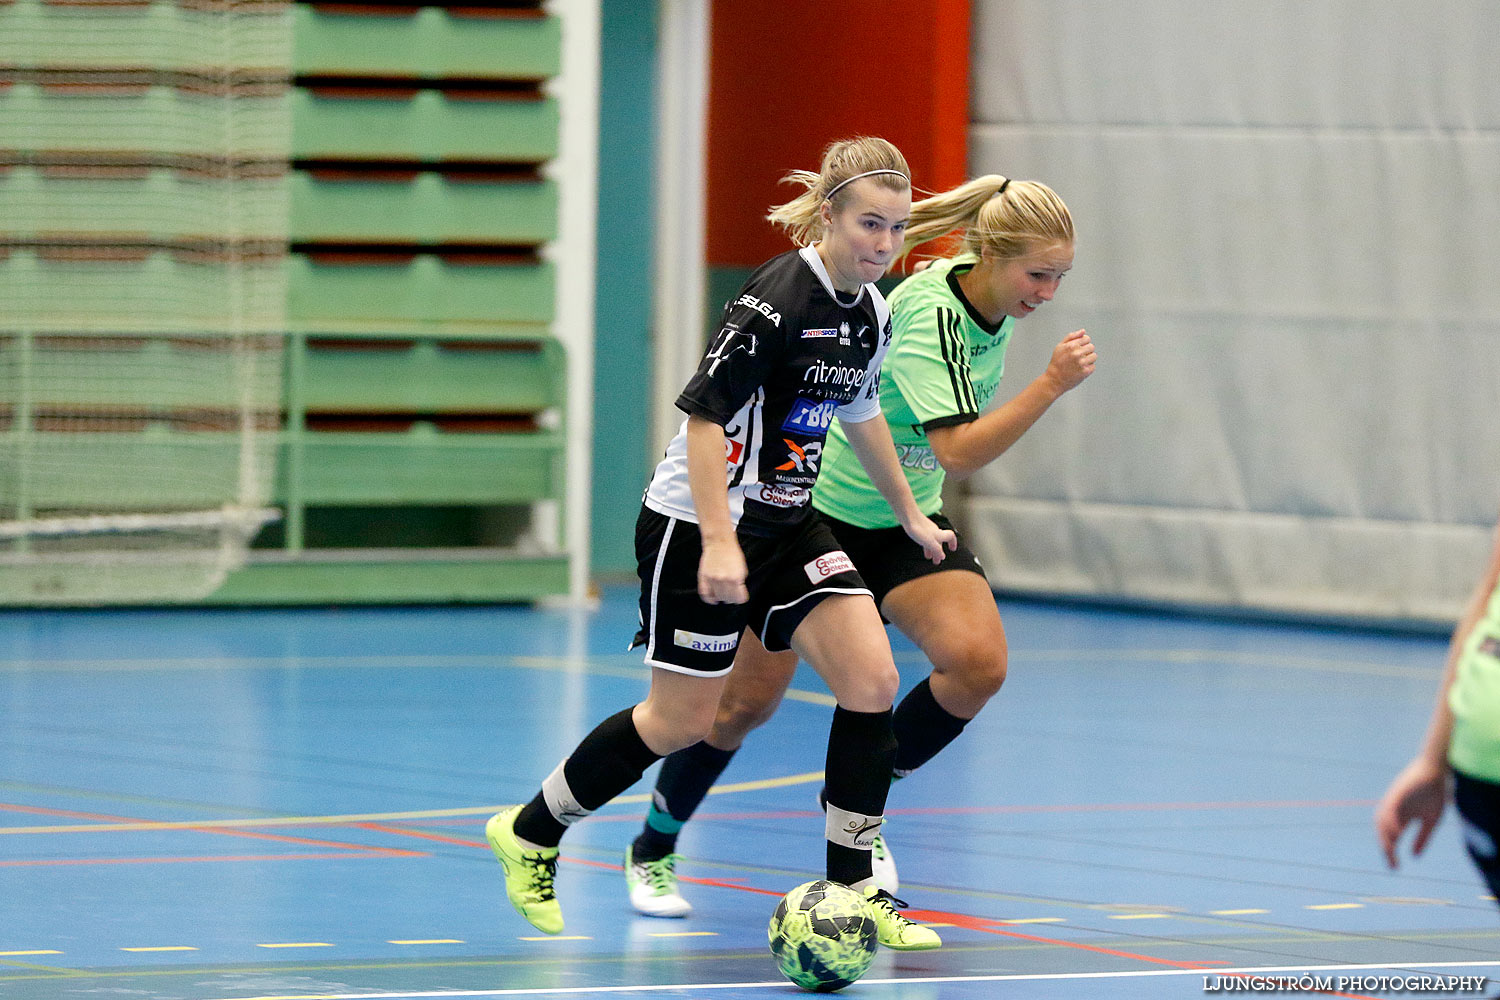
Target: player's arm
{"x": 1419, "y": 793}
{"x": 721, "y": 567}
{"x": 964, "y": 448}
{"x": 871, "y": 441}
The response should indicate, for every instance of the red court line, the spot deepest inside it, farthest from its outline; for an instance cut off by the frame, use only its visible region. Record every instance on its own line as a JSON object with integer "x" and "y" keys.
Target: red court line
{"x": 64, "y": 862}
{"x": 959, "y": 810}
{"x": 216, "y": 830}
{"x": 1020, "y": 810}
{"x": 988, "y": 926}
{"x": 1132, "y": 807}
{"x": 420, "y": 835}
{"x": 983, "y": 924}
{"x": 581, "y": 862}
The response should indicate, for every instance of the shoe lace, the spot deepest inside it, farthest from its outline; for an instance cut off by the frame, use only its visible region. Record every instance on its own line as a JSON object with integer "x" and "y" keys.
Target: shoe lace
{"x": 885, "y": 899}
{"x": 543, "y": 874}
{"x": 660, "y": 873}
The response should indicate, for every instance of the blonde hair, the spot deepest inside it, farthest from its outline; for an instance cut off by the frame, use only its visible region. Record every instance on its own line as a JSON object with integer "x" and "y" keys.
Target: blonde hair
{"x": 1008, "y": 218}
{"x": 843, "y": 161}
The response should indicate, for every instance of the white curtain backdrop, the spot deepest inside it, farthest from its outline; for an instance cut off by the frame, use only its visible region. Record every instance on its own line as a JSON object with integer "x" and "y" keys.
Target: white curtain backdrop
{"x": 1288, "y": 220}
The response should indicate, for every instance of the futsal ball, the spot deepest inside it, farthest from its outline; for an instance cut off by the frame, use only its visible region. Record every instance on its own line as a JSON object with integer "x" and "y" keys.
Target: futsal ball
{"x": 823, "y": 935}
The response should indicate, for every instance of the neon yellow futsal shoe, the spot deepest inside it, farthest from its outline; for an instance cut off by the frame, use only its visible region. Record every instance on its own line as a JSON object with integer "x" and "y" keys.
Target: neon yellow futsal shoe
{"x": 528, "y": 874}
{"x": 894, "y": 930}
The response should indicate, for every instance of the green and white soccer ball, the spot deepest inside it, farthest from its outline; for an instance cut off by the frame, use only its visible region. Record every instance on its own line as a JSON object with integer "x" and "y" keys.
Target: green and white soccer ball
{"x": 823, "y": 936}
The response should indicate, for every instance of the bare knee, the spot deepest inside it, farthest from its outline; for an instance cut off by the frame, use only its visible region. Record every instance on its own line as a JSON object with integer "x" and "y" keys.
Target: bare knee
{"x": 984, "y": 670}
{"x": 737, "y": 716}
{"x": 966, "y": 677}
{"x": 869, "y": 690}
{"x": 667, "y": 729}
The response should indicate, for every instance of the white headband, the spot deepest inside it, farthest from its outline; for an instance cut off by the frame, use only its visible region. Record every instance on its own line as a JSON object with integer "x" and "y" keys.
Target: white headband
{"x": 867, "y": 173}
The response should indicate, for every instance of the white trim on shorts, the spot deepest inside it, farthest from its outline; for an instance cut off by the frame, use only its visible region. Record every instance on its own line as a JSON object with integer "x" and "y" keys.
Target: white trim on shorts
{"x": 654, "y": 599}
{"x": 654, "y": 596}
{"x": 766, "y": 625}
{"x": 689, "y": 671}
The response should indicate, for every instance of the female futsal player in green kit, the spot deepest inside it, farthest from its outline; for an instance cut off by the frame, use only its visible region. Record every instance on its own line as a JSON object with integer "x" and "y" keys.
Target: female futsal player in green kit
{"x": 952, "y": 322}
{"x": 1460, "y": 755}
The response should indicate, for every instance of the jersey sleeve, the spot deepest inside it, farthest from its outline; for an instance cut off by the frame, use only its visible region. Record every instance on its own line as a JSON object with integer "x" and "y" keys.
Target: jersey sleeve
{"x": 929, "y": 364}
{"x": 866, "y": 405}
{"x": 738, "y": 360}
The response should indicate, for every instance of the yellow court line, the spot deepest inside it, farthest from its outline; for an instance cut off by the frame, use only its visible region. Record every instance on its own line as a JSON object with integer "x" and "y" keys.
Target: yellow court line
{"x": 1335, "y": 906}
{"x": 805, "y": 778}
{"x": 18, "y": 954}
{"x": 297, "y": 944}
{"x": 429, "y": 941}
{"x": 558, "y": 937}
{"x": 273, "y": 821}
{"x": 1036, "y": 920}
{"x": 811, "y": 697}
{"x": 684, "y": 934}
{"x": 1191, "y": 657}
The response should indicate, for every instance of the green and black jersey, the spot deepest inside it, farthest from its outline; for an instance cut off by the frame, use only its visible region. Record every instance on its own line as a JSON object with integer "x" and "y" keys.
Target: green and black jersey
{"x": 943, "y": 368}
{"x": 1475, "y": 699}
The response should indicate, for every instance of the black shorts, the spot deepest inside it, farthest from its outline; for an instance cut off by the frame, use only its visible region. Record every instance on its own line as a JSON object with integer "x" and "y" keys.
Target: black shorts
{"x": 886, "y": 557}
{"x": 789, "y": 575}
{"x": 1478, "y": 804}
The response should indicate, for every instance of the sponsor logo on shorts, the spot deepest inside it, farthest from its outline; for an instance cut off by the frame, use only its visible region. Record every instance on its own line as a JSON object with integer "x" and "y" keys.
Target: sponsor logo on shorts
{"x": 705, "y": 643}
{"x": 810, "y": 416}
{"x": 778, "y": 496}
{"x": 828, "y": 564}
{"x": 824, "y": 332}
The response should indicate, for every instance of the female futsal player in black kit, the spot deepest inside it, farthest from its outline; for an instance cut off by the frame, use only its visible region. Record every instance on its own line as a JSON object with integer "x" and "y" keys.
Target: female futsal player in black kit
{"x": 726, "y": 538}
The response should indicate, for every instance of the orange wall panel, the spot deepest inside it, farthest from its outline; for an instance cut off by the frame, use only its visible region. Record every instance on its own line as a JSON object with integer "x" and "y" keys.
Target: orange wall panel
{"x": 788, "y": 77}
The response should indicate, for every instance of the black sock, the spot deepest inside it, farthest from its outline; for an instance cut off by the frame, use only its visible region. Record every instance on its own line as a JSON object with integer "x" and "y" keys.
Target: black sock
{"x": 609, "y": 760}
{"x": 861, "y": 751}
{"x": 922, "y": 727}
{"x": 685, "y": 779}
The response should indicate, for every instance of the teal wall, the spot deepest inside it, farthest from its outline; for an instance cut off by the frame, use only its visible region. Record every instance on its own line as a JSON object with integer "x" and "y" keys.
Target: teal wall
{"x": 622, "y": 329}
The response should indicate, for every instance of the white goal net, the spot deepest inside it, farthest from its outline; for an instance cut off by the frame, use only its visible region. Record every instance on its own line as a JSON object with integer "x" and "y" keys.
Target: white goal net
{"x": 143, "y": 237}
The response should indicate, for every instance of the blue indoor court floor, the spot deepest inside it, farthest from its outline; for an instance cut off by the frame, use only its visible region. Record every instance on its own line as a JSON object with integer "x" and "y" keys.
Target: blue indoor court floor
{"x": 217, "y": 804}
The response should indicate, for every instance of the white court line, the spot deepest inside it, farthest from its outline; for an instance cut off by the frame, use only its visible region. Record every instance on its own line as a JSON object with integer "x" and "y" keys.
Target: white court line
{"x": 782, "y": 984}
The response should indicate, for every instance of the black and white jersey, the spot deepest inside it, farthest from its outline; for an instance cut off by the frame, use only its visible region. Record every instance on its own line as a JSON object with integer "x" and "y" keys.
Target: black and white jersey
{"x": 789, "y": 354}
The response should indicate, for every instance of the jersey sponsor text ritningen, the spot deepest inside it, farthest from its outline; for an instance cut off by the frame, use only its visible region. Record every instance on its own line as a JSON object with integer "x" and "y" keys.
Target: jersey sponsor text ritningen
{"x": 821, "y": 373}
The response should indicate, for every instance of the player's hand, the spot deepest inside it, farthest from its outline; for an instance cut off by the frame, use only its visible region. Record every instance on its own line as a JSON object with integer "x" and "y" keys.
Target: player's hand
{"x": 927, "y": 534}
{"x": 722, "y": 572}
{"x": 1418, "y": 794}
{"x": 1073, "y": 360}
